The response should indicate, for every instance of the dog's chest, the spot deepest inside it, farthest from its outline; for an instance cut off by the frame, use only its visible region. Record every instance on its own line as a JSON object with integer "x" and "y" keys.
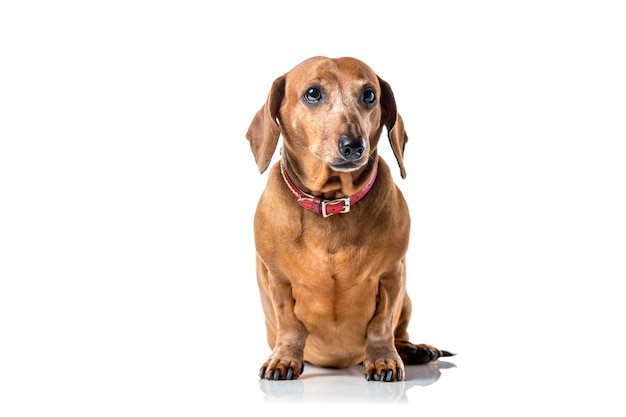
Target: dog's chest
{"x": 334, "y": 285}
{"x": 346, "y": 248}
{"x": 336, "y": 261}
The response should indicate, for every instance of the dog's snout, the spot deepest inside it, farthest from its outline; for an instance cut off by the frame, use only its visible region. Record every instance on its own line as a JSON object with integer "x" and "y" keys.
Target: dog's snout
{"x": 351, "y": 149}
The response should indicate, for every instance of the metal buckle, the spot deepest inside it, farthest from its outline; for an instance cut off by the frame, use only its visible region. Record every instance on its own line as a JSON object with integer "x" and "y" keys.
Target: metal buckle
{"x": 346, "y": 206}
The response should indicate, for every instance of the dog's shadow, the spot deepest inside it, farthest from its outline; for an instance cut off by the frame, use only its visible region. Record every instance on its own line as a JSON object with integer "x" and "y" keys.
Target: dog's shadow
{"x": 349, "y": 385}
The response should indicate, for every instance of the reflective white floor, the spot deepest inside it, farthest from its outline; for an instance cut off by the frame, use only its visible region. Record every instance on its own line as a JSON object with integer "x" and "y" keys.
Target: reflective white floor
{"x": 349, "y": 385}
{"x": 493, "y": 385}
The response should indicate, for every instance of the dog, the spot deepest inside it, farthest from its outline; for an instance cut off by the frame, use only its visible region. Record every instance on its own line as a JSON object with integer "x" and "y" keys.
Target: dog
{"x": 331, "y": 227}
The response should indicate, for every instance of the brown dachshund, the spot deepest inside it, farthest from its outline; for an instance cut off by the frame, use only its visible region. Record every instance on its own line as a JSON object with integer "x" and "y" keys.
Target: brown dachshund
{"x": 331, "y": 227}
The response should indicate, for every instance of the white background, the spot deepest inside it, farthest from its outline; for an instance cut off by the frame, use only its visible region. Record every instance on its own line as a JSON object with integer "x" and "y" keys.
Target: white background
{"x": 127, "y": 190}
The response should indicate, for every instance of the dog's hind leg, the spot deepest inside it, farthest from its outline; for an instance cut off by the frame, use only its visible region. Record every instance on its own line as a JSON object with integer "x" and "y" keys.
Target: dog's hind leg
{"x": 413, "y": 354}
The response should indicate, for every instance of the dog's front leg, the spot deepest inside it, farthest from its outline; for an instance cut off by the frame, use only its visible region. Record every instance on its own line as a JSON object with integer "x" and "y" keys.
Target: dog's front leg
{"x": 287, "y": 332}
{"x": 382, "y": 361}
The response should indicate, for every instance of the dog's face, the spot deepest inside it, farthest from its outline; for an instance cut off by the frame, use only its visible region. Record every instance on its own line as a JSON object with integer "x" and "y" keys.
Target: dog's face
{"x": 332, "y": 108}
{"x": 335, "y": 109}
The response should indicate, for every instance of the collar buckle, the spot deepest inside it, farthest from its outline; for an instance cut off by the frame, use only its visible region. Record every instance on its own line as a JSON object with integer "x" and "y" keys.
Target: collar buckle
{"x": 334, "y": 203}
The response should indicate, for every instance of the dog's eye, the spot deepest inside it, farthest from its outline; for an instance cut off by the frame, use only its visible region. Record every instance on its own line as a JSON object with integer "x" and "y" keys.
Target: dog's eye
{"x": 312, "y": 95}
{"x": 369, "y": 97}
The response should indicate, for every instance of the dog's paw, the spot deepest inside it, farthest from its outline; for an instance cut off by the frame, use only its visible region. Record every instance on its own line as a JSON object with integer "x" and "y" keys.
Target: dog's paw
{"x": 419, "y": 354}
{"x": 384, "y": 370}
{"x": 277, "y": 369}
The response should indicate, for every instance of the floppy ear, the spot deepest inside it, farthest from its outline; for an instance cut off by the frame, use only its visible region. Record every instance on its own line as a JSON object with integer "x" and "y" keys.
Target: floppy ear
{"x": 394, "y": 124}
{"x": 264, "y": 130}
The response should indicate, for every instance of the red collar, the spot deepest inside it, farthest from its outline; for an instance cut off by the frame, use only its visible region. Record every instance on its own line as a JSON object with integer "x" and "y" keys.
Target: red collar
{"x": 326, "y": 207}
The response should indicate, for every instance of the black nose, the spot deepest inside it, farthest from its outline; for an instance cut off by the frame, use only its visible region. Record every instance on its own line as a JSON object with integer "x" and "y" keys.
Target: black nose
{"x": 351, "y": 149}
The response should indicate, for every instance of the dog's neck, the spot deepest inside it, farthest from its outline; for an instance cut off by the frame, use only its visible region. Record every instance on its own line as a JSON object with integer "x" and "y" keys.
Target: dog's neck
{"x": 326, "y": 183}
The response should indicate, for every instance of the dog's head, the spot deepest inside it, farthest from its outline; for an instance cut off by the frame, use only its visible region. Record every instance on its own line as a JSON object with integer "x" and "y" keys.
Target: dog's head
{"x": 333, "y": 108}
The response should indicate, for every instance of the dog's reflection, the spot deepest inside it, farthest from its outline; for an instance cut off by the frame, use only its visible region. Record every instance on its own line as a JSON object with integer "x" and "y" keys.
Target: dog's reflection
{"x": 349, "y": 385}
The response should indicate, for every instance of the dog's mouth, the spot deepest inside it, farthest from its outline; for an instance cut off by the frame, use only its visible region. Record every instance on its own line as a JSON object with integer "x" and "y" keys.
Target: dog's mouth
{"x": 346, "y": 166}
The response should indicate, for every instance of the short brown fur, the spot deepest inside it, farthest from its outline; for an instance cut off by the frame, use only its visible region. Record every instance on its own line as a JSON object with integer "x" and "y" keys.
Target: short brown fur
{"x": 333, "y": 289}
